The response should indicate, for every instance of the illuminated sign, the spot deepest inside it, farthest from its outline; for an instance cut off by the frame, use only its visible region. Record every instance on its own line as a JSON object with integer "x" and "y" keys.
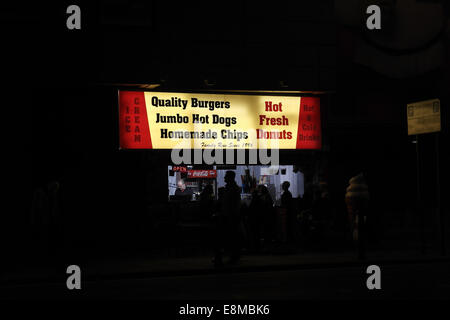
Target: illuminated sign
{"x": 202, "y": 174}
{"x": 167, "y": 120}
{"x": 179, "y": 169}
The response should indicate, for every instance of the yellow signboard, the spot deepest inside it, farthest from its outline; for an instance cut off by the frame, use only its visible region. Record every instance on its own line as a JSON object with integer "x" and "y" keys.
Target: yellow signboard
{"x": 168, "y": 120}
{"x": 424, "y": 117}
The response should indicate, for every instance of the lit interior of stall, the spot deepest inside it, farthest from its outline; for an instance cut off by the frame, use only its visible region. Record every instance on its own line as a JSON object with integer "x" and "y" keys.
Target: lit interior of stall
{"x": 195, "y": 179}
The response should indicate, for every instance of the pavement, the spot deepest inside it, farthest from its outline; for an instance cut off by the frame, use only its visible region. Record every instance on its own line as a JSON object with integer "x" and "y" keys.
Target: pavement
{"x": 424, "y": 281}
{"x": 141, "y": 266}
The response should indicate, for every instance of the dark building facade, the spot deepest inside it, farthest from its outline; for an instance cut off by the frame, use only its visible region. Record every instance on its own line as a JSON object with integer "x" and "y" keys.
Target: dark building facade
{"x": 72, "y": 77}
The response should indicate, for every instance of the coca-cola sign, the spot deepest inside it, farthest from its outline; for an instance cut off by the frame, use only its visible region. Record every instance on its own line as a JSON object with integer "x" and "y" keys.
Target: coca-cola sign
{"x": 202, "y": 174}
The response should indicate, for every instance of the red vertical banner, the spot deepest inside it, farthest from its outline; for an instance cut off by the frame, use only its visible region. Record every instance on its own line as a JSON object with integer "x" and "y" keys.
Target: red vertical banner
{"x": 134, "y": 132}
{"x": 309, "y": 134}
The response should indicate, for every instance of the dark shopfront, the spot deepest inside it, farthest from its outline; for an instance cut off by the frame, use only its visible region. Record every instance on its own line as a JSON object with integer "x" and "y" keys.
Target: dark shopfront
{"x": 171, "y": 224}
{"x": 381, "y": 152}
{"x": 118, "y": 199}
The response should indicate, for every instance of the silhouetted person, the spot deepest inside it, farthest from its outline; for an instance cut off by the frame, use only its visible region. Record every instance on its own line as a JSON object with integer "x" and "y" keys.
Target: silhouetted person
{"x": 228, "y": 221}
{"x": 207, "y": 193}
{"x": 207, "y": 201}
{"x": 357, "y": 200}
{"x": 288, "y": 205}
{"x": 286, "y": 197}
{"x": 256, "y": 219}
{"x": 269, "y": 215}
{"x": 305, "y": 210}
{"x": 262, "y": 217}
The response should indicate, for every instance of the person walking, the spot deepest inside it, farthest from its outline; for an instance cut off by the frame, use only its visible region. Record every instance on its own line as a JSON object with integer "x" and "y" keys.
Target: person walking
{"x": 357, "y": 200}
{"x": 287, "y": 205}
{"x": 228, "y": 221}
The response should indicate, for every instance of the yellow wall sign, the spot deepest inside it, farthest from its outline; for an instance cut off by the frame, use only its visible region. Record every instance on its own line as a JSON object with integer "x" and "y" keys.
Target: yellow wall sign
{"x": 168, "y": 120}
{"x": 424, "y": 117}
